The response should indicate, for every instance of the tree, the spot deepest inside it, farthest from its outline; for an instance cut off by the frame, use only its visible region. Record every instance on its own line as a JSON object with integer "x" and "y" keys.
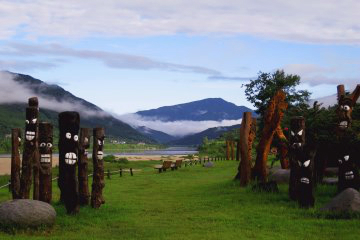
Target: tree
{"x": 260, "y": 91}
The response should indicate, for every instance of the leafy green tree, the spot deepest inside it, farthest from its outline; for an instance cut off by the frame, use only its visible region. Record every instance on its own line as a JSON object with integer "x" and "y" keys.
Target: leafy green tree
{"x": 260, "y": 91}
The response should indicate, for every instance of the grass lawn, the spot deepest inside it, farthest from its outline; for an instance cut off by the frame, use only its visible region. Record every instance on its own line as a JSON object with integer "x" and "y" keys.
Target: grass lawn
{"x": 191, "y": 203}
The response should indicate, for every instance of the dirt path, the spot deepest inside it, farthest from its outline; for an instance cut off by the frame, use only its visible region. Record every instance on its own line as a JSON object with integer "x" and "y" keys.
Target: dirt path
{"x": 5, "y": 164}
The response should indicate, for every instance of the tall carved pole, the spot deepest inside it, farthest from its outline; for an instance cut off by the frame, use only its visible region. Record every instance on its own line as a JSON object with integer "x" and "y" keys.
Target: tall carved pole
{"x": 227, "y": 149}
{"x": 69, "y": 124}
{"x": 30, "y": 154}
{"x": 98, "y": 165}
{"x": 84, "y": 144}
{"x": 272, "y": 119}
{"x": 15, "y": 162}
{"x": 45, "y": 150}
{"x": 296, "y": 148}
{"x": 232, "y": 142}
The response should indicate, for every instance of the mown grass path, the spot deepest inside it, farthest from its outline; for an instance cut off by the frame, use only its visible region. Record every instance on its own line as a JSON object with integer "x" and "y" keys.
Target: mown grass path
{"x": 192, "y": 203}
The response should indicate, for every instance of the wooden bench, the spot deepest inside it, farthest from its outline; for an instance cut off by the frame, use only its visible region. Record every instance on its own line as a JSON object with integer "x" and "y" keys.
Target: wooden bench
{"x": 164, "y": 166}
{"x": 176, "y": 165}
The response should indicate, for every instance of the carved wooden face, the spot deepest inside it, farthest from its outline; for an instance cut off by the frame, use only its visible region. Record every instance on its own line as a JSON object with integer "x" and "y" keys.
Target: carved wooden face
{"x": 69, "y": 140}
{"x": 99, "y": 137}
{"x": 45, "y": 143}
{"x": 346, "y": 167}
{"x": 343, "y": 112}
{"x": 84, "y": 142}
{"x": 297, "y": 133}
{"x": 31, "y": 124}
{"x": 305, "y": 163}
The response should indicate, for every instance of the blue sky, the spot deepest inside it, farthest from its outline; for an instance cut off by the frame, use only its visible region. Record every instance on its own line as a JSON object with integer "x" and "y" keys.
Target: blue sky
{"x": 126, "y": 56}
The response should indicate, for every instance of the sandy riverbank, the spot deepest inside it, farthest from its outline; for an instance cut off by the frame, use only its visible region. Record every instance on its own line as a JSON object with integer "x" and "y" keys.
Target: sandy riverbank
{"x": 5, "y": 162}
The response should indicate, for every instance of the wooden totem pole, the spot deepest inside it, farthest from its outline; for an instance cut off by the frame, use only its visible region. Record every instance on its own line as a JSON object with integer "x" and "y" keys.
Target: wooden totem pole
{"x": 247, "y": 136}
{"x": 227, "y": 142}
{"x": 30, "y": 153}
{"x": 69, "y": 124}
{"x": 272, "y": 120}
{"x": 348, "y": 155}
{"x": 98, "y": 165}
{"x": 84, "y": 144}
{"x": 296, "y": 149}
{"x": 15, "y": 162}
{"x": 45, "y": 150}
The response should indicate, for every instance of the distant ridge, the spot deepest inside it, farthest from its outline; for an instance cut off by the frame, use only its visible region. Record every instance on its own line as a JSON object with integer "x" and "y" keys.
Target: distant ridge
{"x": 214, "y": 109}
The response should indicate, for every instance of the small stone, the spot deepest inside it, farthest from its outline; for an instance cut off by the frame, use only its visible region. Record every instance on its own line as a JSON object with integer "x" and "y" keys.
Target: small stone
{"x": 208, "y": 164}
{"x": 346, "y": 201}
{"x": 330, "y": 172}
{"x": 26, "y": 213}
{"x": 330, "y": 181}
{"x": 280, "y": 176}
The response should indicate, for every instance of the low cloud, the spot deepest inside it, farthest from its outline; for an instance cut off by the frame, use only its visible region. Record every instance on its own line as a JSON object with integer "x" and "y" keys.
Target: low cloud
{"x": 15, "y": 92}
{"x": 227, "y": 78}
{"x": 175, "y": 128}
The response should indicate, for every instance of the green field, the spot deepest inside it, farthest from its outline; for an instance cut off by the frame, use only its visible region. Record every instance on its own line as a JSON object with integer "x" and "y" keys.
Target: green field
{"x": 191, "y": 203}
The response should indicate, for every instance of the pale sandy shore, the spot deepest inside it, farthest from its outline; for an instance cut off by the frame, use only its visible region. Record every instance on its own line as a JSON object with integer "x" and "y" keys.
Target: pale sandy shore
{"x": 5, "y": 162}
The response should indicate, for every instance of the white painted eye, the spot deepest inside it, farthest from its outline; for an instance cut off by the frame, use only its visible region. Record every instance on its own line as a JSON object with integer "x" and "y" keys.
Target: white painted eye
{"x": 346, "y": 158}
{"x": 346, "y": 108}
{"x": 76, "y": 138}
{"x": 49, "y": 145}
{"x": 340, "y": 161}
{"x": 19, "y": 139}
{"x": 99, "y": 142}
{"x": 86, "y": 140}
{"x": 34, "y": 120}
{"x": 299, "y": 163}
{"x": 292, "y": 133}
{"x": 68, "y": 135}
{"x": 42, "y": 144}
{"x": 307, "y": 163}
{"x": 300, "y": 132}
{"x": 27, "y": 121}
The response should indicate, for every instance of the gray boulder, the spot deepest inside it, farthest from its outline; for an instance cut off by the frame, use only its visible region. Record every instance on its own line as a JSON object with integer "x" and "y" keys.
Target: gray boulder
{"x": 280, "y": 176}
{"x": 346, "y": 201}
{"x": 26, "y": 213}
{"x": 208, "y": 164}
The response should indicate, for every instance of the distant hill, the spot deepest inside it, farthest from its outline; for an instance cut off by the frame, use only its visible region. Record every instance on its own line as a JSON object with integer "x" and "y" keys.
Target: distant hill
{"x": 215, "y": 109}
{"x": 196, "y": 139}
{"x": 12, "y": 115}
{"x": 159, "y": 136}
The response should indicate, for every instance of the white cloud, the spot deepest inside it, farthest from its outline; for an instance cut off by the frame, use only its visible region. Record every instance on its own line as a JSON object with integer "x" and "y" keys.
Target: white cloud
{"x": 175, "y": 128}
{"x": 14, "y": 92}
{"x": 325, "y": 21}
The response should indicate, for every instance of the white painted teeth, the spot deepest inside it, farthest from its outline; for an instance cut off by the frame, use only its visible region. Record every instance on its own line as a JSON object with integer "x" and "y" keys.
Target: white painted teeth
{"x": 70, "y": 158}
{"x": 30, "y": 135}
{"x": 305, "y": 180}
{"x": 343, "y": 124}
{"x": 349, "y": 175}
{"x": 86, "y": 153}
{"x": 45, "y": 158}
{"x": 100, "y": 155}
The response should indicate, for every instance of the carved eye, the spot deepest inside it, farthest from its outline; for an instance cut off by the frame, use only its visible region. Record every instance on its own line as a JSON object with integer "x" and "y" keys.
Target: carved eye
{"x": 34, "y": 120}
{"x": 68, "y": 135}
{"x": 49, "y": 145}
{"x": 340, "y": 161}
{"x": 346, "y": 158}
{"x": 76, "y": 138}
{"x": 42, "y": 144}
{"x": 19, "y": 139}
{"x": 100, "y": 142}
{"x": 346, "y": 108}
{"x": 299, "y": 163}
{"x": 27, "y": 121}
{"x": 300, "y": 132}
{"x": 292, "y": 133}
{"x": 307, "y": 163}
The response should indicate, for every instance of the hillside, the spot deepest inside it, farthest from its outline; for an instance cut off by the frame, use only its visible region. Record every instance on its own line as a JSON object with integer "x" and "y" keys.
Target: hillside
{"x": 196, "y": 139}
{"x": 214, "y": 109}
{"x": 12, "y": 115}
{"x": 158, "y": 136}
